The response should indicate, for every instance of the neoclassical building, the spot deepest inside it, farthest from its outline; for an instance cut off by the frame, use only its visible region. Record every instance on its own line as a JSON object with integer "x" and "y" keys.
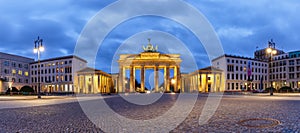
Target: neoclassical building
{"x": 149, "y": 59}
{"x": 91, "y": 80}
{"x": 132, "y": 68}
{"x": 204, "y": 80}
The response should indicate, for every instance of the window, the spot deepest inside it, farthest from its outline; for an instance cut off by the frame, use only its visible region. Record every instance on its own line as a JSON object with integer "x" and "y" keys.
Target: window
{"x": 70, "y": 78}
{"x": 26, "y": 74}
{"x": 291, "y": 69}
{"x": 230, "y": 68}
{"x": 13, "y": 64}
{"x": 66, "y": 62}
{"x": 291, "y": 76}
{"x": 232, "y": 76}
{"x": 70, "y": 62}
{"x": 237, "y": 76}
{"x": 291, "y": 62}
{"x": 6, "y": 71}
{"x": 13, "y": 71}
{"x": 237, "y": 86}
{"x": 228, "y": 60}
{"x": 6, "y": 63}
{"x": 232, "y": 86}
{"x": 20, "y": 65}
{"x": 26, "y": 66}
{"x": 66, "y": 78}
{"x": 228, "y": 76}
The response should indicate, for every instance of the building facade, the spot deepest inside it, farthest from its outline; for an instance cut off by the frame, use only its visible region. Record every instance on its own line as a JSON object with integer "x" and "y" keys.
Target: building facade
{"x": 14, "y": 71}
{"x": 56, "y": 74}
{"x": 242, "y": 73}
{"x": 285, "y": 70}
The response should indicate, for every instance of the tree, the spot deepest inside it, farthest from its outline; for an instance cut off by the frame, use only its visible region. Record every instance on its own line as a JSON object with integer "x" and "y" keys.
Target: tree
{"x": 26, "y": 89}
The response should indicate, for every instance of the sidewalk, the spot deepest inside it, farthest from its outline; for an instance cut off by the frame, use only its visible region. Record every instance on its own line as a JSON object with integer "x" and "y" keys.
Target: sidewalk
{"x": 277, "y": 94}
{"x": 12, "y": 98}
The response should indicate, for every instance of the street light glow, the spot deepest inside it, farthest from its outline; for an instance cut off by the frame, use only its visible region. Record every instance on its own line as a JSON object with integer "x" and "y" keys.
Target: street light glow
{"x": 35, "y": 50}
{"x": 269, "y": 50}
{"x": 41, "y": 48}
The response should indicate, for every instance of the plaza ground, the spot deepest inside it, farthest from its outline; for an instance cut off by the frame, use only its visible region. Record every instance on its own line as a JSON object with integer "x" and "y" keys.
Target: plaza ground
{"x": 64, "y": 114}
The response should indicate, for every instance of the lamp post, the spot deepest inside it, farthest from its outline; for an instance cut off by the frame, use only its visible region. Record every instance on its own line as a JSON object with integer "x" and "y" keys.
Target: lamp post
{"x": 272, "y": 52}
{"x": 38, "y": 48}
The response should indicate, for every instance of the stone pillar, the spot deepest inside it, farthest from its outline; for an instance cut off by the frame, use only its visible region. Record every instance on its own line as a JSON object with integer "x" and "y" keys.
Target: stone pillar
{"x": 206, "y": 84}
{"x": 215, "y": 82}
{"x": 79, "y": 82}
{"x": 132, "y": 79}
{"x": 120, "y": 80}
{"x": 99, "y": 83}
{"x": 92, "y": 83}
{"x": 143, "y": 78}
{"x": 178, "y": 81}
{"x": 190, "y": 86}
{"x": 220, "y": 82}
{"x": 175, "y": 78}
{"x": 199, "y": 82}
{"x": 167, "y": 79}
{"x": 156, "y": 78}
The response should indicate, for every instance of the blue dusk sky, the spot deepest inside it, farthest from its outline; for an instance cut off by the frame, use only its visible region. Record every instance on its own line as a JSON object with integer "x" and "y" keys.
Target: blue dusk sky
{"x": 241, "y": 26}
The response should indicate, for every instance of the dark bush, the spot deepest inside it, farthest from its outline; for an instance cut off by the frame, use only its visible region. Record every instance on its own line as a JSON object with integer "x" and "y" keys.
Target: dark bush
{"x": 13, "y": 89}
{"x": 269, "y": 88}
{"x": 286, "y": 89}
{"x": 26, "y": 89}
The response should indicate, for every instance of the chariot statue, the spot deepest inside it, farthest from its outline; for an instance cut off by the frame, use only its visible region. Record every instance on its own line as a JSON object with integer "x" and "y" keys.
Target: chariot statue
{"x": 150, "y": 47}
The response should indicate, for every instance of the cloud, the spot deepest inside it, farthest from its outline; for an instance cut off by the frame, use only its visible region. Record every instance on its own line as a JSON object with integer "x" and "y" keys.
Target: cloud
{"x": 64, "y": 52}
{"x": 234, "y": 33}
{"x": 241, "y": 25}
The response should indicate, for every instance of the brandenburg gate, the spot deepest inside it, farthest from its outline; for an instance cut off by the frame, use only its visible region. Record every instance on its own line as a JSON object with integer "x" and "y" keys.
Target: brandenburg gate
{"x": 150, "y": 58}
{"x": 209, "y": 79}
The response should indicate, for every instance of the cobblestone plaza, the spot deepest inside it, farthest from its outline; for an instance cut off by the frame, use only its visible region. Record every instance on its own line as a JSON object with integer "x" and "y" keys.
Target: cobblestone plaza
{"x": 69, "y": 117}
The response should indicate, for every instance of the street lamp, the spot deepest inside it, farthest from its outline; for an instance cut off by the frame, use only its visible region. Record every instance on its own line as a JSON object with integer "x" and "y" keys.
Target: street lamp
{"x": 38, "y": 48}
{"x": 272, "y": 52}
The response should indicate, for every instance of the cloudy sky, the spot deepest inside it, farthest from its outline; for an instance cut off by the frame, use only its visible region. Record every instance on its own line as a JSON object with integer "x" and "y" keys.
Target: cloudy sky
{"x": 240, "y": 25}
